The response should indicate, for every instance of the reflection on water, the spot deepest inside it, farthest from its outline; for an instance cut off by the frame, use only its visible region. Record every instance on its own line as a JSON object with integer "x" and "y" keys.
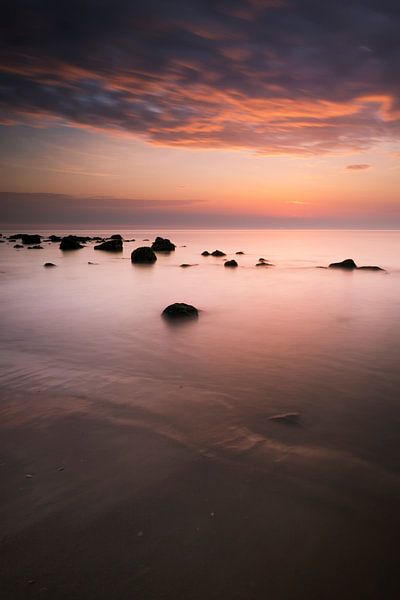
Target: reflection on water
{"x": 276, "y": 339}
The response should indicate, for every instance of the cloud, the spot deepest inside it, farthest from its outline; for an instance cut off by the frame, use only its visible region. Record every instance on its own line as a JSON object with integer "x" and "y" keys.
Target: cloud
{"x": 358, "y": 167}
{"x": 276, "y": 77}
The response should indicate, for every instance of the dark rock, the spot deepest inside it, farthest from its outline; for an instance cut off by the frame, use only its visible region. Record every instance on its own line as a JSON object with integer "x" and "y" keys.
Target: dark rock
{"x": 37, "y": 247}
{"x": 231, "y": 263}
{"x": 18, "y": 246}
{"x": 347, "y": 264}
{"x": 218, "y": 253}
{"x": 263, "y": 264}
{"x": 92, "y": 263}
{"x": 184, "y": 265}
{"x": 116, "y": 236}
{"x": 145, "y": 240}
{"x": 370, "y": 268}
{"x": 114, "y": 245}
{"x": 54, "y": 238}
{"x": 205, "y": 253}
{"x": 15, "y": 236}
{"x": 48, "y": 264}
{"x": 143, "y": 255}
{"x": 240, "y": 252}
{"x": 262, "y": 260}
{"x": 162, "y": 245}
{"x": 290, "y": 418}
{"x": 97, "y": 238}
{"x": 70, "y": 242}
{"x": 30, "y": 239}
{"x": 180, "y": 309}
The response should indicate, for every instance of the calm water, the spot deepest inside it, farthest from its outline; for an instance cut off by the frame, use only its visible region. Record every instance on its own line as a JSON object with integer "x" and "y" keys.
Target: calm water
{"x": 166, "y": 428}
{"x": 286, "y": 338}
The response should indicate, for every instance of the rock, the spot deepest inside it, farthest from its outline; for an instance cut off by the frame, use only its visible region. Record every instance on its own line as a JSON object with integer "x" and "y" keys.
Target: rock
{"x": 35, "y": 247}
{"x": 240, "y": 252}
{"x": 180, "y": 309}
{"x": 347, "y": 264}
{"x": 162, "y": 245}
{"x": 97, "y": 238}
{"x": 114, "y": 245}
{"x": 70, "y": 242}
{"x": 30, "y": 239}
{"x": 231, "y": 263}
{"x": 54, "y": 238}
{"x": 145, "y": 240}
{"x": 218, "y": 253}
{"x": 371, "y": 268}
{"x": 92, "y": 263}
{"x": 48, "y": 264}
{"x": 184, "y": 265}
{"x": 116, "y": 236}
{"x": 205, "y": 253}
{"x": 143, "y": 255}
{"x": 18, "y": 246}
{"x": 262, "y": 260}
{"x": 291, "y": 418}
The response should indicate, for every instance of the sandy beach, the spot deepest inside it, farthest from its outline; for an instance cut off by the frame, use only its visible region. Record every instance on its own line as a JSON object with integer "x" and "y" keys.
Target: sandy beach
{"x": 110, "y": 504}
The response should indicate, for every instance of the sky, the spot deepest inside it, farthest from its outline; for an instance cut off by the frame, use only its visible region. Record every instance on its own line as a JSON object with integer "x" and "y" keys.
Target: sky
{"x": 200, "y": 113}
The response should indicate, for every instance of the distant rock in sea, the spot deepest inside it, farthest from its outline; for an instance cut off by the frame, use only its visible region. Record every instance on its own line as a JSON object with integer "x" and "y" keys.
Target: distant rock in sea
{"x": 184, "y": 265}
{"x": 18, "y": 246}
{"x": 240, "y": 252}
{"x": 112, "y": 245}
{"x": 143, "y": 255}
{"x": 70, "y": 242}
{"x": 218, "y": 253}
{"x": 231, "y": 263}
{"x": 349, "y": 265}
{"x": 205, "y": 253}
{"x": 54, "y": 238}
{"x": 37, "y": 247}
{"x": 162, "y": 245}
{"x": 49, "y": 264}
{"x": 116, "y": 236}
{"x": 180, "y": 310}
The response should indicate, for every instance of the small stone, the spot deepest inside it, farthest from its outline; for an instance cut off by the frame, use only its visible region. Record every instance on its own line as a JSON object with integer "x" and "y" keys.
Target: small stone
{"x": 143, "y": 255}
{"x": 231, "y": 263}
{"x": 49, "y": 264}
{"x": 180, "y": 310}
{"x": 218, "y": 253}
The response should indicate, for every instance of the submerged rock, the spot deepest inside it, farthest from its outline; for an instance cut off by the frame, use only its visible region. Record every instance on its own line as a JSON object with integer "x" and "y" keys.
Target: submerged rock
{"x": 263, "y": 264}
{"x": 143, "y": 255}
{"x": 218, "y": 253}
{"x": 184, "y": 265}
{"x": 49, "y": 264}
{"x": 54, "y": 238}
{"x": 231, "y": 263}
{"x": 370, "y": 268}
{"x": 179, "y": 310}
{"x": 18, "y": 246}
{"x": 114, "y": 245}
{"x": 348, "y": 264}
{"x": 291, "y": 418}
{"x": 205, "y": 253}
{"x": 116, "y": 236}
{"x": 240, "y": 252}
{"x": 162, "y": 245}
{"x": 35, "y": 247}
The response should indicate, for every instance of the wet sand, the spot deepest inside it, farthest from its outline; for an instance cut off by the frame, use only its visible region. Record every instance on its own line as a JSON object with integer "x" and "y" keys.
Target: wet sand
{"x": 104, "y": 501}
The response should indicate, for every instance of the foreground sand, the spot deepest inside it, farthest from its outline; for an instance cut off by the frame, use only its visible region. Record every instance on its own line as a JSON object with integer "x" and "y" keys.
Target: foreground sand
{"x": 106, "y": 501}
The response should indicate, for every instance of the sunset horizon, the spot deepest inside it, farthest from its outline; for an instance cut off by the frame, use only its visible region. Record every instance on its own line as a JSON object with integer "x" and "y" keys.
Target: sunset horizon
{"x": 200, "y": 284}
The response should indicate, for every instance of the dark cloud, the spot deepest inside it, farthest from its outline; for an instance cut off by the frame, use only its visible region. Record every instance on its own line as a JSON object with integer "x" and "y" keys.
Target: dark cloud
{"x": 271, "y": 75}
{"x": 358, "y": 167}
